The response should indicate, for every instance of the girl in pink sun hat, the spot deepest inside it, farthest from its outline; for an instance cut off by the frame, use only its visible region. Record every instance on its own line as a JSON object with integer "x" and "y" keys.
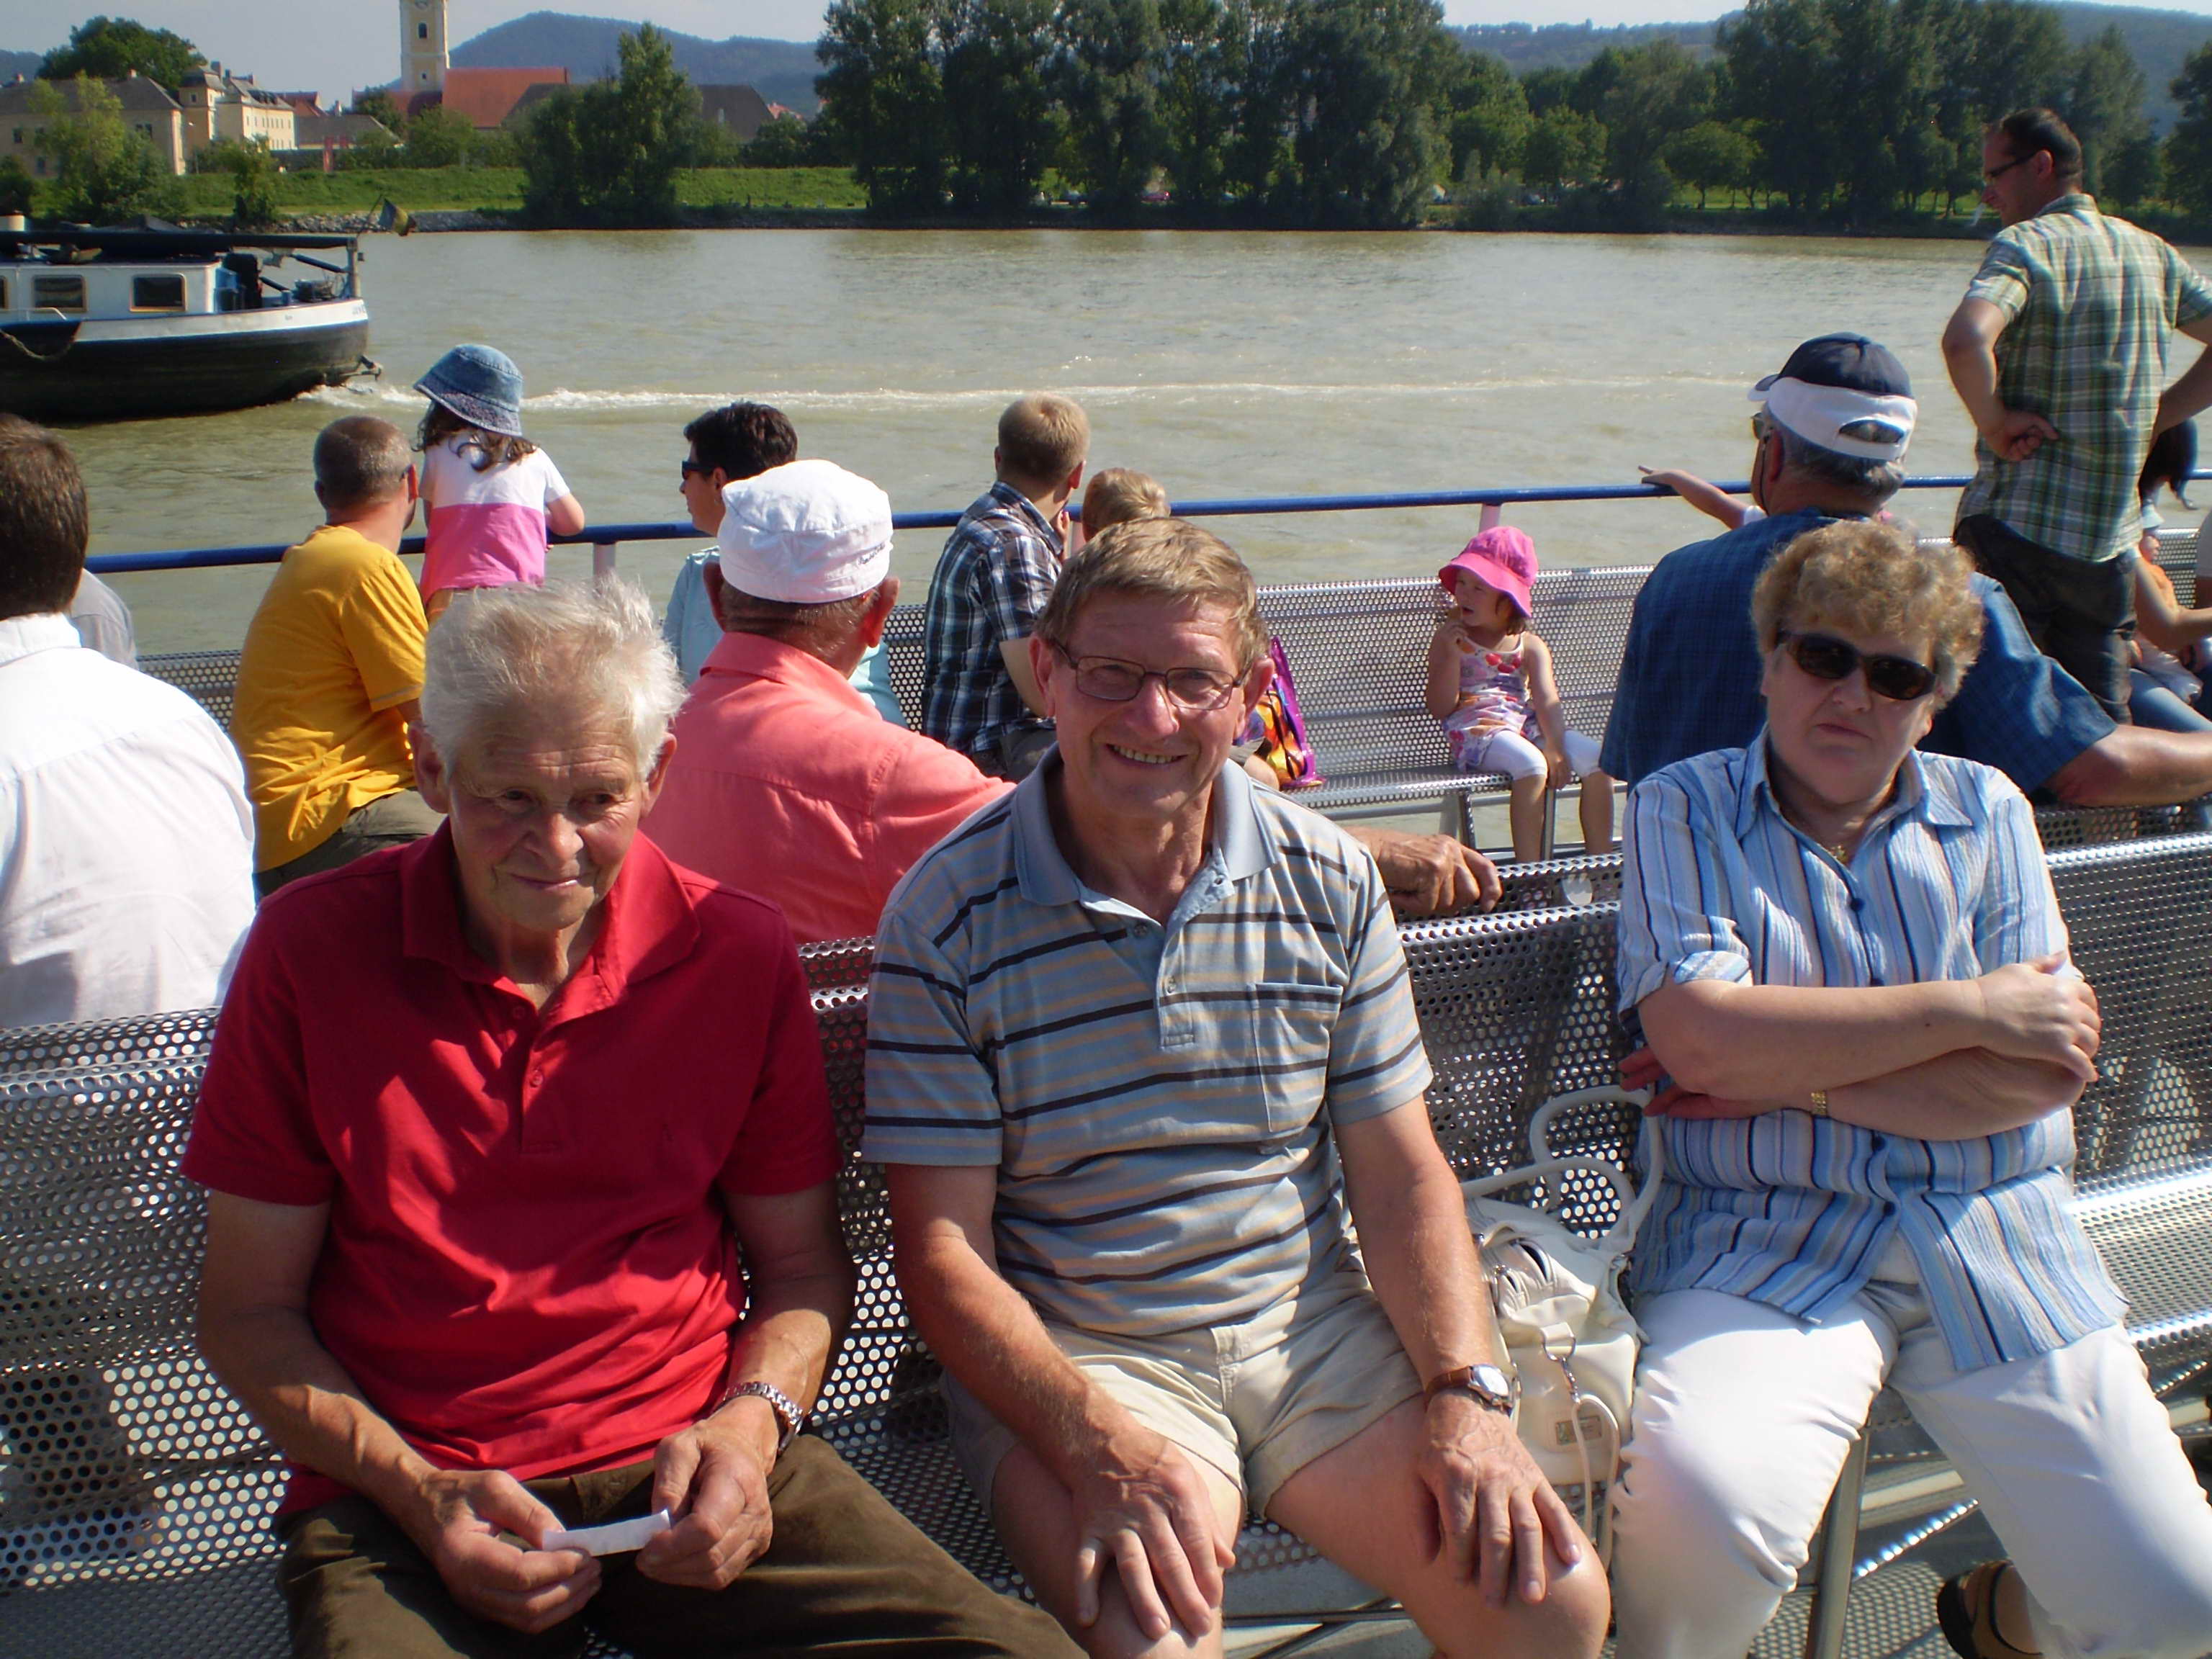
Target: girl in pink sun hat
{"x": 1491, "y": 683}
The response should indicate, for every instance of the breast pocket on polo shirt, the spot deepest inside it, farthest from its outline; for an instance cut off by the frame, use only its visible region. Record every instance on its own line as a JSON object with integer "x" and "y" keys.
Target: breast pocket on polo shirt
{"x": 1288, "y": 1027}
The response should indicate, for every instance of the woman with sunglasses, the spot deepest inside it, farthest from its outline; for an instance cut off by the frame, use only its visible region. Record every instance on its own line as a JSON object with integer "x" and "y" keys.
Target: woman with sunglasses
{"x": 1847, "y": 964}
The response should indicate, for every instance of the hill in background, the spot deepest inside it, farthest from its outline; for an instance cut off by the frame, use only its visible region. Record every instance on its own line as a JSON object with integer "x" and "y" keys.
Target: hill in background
{"x": 782, "y": 71}
{"x": 2160, "y": 40}
{"x": 13, "y": 64}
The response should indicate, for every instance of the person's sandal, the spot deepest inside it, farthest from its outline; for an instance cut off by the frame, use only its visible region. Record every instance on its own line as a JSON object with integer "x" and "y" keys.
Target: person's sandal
{"x": 1967, "y": 1608}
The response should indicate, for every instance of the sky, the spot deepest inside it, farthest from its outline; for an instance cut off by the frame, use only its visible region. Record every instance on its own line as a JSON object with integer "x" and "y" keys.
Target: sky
{"x": 335, "y": 46}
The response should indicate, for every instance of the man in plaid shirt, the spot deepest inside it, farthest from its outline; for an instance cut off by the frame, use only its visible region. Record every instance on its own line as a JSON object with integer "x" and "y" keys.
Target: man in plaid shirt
{"x": 2058, "y": 351}
{"x": 992, "y": 582}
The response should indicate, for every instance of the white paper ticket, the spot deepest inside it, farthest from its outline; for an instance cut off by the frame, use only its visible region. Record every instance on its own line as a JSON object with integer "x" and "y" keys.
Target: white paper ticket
{"x": 615, "y": 1538}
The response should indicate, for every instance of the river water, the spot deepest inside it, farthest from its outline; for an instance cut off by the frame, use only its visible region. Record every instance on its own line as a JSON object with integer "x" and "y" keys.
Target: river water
{"x": 1226, "y": 364}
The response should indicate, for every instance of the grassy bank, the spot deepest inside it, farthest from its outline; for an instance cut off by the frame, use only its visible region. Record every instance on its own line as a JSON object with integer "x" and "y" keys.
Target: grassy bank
{"x": 500, "y": 190}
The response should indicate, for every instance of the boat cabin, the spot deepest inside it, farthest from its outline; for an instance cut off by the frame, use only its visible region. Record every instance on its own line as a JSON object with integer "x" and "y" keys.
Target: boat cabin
{"x": 74, "y": 277}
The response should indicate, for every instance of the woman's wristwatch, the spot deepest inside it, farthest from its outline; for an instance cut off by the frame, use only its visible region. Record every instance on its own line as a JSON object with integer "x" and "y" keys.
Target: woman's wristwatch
{"x": 789, "y": 1419}
{"x": 1819, "y": 1106}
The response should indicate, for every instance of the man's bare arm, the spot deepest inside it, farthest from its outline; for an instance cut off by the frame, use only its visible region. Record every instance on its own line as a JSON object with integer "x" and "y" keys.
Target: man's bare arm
{"x": 1428, "y": 875}
{"x": 256, "y": 1335}
{"x": 1138, "y": 1504}
{"x": 2138, "y": 766}
{"x": 799, "y": 1295}
{"x": 1495, "y": 1509}
{"x": 1015, "y": 653}
{"x": 2191, "y": 395}
{"x": 1969, "y": 353}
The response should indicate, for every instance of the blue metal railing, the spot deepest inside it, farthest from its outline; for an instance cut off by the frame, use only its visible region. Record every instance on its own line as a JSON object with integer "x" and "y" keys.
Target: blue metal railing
{"x": 605, "y": 538}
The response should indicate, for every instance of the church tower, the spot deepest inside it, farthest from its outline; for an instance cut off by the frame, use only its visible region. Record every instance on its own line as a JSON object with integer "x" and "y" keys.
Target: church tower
{"x": 422, "y": 47}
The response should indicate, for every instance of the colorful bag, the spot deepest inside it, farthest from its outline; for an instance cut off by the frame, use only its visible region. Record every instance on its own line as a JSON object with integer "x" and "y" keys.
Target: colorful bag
{"x": 1280, "y": 731}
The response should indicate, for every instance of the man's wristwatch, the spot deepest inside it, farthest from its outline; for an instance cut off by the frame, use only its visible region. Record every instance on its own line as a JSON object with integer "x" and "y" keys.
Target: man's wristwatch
{"x": 1491, "y": 1386}
{"x": 789, "y": 1420}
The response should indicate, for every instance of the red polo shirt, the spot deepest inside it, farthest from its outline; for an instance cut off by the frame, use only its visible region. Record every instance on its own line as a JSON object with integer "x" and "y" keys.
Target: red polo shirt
{"x": 528, "y": 1266}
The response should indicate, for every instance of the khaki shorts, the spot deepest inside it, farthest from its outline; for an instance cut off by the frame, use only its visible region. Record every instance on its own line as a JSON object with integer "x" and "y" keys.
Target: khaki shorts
{"x": 1258, "y": 1402}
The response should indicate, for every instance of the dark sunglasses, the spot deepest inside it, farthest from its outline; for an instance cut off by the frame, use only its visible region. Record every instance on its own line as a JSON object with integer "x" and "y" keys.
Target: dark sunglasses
{"x": 696, "y": 468}
{"x": 1825, "y": 658}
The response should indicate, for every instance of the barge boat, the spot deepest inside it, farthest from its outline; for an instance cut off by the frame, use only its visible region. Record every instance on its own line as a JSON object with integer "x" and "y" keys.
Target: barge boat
{"x": 111, "y": 324}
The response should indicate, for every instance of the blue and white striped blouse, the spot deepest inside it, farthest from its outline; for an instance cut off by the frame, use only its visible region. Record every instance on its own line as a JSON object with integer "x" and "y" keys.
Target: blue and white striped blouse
{"x": 1948, "y": 882}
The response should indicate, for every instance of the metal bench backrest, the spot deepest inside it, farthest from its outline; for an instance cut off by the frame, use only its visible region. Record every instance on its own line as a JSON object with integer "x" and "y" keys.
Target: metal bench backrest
{"x": 101, "y": 1237}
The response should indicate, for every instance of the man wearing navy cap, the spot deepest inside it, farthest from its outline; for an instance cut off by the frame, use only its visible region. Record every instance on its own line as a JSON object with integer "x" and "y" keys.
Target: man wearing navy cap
{"x": 1829, "y": 434}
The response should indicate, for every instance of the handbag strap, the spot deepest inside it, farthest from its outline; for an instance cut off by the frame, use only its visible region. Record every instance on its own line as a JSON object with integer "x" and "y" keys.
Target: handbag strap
{"x": 1635, "y": 1201}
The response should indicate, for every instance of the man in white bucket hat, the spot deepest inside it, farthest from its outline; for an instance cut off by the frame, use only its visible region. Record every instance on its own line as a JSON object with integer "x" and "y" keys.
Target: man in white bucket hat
{"x": 786, "y": 783}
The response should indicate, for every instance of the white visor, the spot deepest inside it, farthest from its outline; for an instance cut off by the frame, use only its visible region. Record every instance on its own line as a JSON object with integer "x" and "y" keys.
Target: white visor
{"x": 1818, "y": 414}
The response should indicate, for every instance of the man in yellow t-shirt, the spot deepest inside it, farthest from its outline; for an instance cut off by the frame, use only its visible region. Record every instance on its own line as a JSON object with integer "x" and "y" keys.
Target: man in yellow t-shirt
{"x": 333, "y": 669}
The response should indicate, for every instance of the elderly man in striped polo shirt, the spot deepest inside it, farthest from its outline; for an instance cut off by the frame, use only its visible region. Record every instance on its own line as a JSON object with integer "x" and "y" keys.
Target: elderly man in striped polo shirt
{"x": 1140, "y": 1038}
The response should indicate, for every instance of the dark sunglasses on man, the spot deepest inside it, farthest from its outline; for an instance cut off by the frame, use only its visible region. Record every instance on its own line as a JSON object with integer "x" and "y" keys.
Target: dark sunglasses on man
{"x": 1827, "y": 658}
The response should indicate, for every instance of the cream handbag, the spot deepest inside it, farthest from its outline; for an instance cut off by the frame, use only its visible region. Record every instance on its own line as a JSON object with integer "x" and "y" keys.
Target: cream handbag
{"x": 1568, "y": 1336}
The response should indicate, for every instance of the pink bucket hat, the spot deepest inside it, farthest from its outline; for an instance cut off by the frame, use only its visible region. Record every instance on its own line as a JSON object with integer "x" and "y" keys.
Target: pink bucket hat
{"x": 1503, "y": 556}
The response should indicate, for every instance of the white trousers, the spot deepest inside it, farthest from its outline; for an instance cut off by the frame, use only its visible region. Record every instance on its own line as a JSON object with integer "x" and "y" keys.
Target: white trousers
{"x": 1743, "y": 1417}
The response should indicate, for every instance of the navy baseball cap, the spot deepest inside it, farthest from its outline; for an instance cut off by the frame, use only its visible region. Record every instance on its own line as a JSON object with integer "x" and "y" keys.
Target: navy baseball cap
{"x": 1845, "y": 393}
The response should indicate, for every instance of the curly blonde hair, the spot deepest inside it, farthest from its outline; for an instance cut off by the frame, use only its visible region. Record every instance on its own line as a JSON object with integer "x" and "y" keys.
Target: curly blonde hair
{"x": 1858, "y": 576}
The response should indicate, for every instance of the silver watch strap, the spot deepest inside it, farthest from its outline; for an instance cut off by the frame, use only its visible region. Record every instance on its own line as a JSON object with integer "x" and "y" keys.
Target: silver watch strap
{"x": 789, "y": 1419}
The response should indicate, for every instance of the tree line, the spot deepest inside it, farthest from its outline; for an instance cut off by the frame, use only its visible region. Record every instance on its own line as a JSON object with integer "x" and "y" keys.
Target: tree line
{"x": 1356, "y": 111}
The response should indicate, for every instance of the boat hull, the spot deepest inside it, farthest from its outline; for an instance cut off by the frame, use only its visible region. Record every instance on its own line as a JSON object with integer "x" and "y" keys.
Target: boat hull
{"x": 140, "y": 368}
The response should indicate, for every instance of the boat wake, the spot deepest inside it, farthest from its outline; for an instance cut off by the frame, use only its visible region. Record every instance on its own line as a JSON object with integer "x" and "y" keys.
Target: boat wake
{"x": 566, "y": 400}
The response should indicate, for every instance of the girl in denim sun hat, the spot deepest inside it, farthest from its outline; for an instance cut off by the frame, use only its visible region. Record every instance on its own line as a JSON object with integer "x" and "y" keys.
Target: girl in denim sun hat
{"x": 489, "y": 493}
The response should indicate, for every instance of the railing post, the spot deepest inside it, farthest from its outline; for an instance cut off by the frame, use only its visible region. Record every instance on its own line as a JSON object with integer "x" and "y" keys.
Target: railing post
{"x": 1491, "y": 514}
{"x": 603, "y": 559}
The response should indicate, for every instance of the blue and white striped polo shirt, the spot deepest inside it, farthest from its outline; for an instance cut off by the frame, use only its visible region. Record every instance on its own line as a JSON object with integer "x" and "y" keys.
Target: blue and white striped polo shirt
{"x": 1948, "y": 882}
{"x": 1156, "y": 1107}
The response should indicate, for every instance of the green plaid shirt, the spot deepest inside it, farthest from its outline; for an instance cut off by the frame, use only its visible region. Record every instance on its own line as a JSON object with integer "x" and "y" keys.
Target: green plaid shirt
{"x": 2088, "y": 303}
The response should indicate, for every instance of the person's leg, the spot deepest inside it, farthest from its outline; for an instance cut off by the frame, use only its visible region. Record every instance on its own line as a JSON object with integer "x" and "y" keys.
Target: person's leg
{"x": 844, "y": 1573}
{"x": 2076, "y": 612}
{"x": 1169, "y": 1384}
{"x": 1523, "y": 763}
{"x": 357, "y": 1588}
{"x": 1036, "y": 1518}
{"x": 1596, "y": 812}
{"x": 2093, "y": 623}
{"x": 2079, "y": 1473}
{"x": 1992, "y": 547}
{"x": 1741, "y": 1421}
{"x": 1333, "y": 1413}
{"x": 1365, "y": 1507}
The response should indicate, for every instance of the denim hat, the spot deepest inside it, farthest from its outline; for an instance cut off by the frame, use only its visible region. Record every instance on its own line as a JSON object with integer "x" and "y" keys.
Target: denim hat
{"x": 480, "y": 385}
{"x": 1845, "y": 393}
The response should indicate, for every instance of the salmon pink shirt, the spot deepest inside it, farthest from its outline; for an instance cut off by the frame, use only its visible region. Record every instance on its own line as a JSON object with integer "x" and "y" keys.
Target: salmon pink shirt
{"x": 786, "y": 783}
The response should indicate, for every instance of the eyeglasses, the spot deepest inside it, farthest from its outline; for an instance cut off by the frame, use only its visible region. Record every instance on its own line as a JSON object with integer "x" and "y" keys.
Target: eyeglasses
{"x": 1992, "y": 174}
{"x": 695, "y": 468}
{"x": 1827, "y": 658}
{"x": 1759, "y": 428}
{"x": 1109, "y": 679}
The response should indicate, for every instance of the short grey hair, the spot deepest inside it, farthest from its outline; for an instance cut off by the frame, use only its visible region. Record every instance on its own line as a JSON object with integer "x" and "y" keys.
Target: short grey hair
{"x": 508, "y": 654}
{"x": 1878, "y": 480}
